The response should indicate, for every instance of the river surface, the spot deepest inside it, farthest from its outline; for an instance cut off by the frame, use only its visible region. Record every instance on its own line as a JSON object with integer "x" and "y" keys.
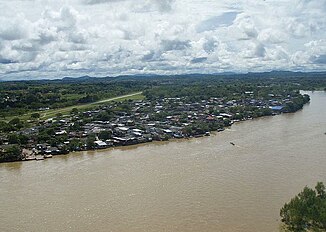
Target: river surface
{"x": 203, "y": 184}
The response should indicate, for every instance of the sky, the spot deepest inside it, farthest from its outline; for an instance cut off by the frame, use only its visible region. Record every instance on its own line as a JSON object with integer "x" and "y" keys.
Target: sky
{"x": 52, "y": 39}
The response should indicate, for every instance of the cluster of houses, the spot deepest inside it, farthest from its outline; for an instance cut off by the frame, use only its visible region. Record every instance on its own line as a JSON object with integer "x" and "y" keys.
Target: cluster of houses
{"x": 142, "y": 121}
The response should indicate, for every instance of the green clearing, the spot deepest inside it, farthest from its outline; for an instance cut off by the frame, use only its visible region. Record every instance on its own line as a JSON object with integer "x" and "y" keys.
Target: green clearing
{"x": 66, "y": 110}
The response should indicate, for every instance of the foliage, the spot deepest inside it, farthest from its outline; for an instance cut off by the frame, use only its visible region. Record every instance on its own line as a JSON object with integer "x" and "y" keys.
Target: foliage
{"x": 5, "y": 127}
{"x": 306, "y": 211}
{"x": 297, "y": 103}
{"x": 74, "y": 111}
{"x": 90, "y": 141}
{"x": 11, "y": 153}
{"x": 104, "y": 116}
{"x": 20, "y": 97}
{"x": 104, "y": 135}
{"x": 75, "y": 145}
{"x": 35, "y": 115}
{"x": 16, "y": 123}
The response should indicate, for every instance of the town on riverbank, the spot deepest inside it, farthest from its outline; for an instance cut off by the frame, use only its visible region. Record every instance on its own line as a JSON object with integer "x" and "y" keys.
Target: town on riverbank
{"x": 163, "y": 112}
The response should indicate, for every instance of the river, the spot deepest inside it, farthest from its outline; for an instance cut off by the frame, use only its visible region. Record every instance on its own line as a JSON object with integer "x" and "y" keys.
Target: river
{"x": 203, "y": 184}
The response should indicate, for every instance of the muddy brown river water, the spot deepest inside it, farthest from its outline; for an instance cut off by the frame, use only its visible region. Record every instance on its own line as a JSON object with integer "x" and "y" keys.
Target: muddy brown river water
{"x": 203, "y": 184}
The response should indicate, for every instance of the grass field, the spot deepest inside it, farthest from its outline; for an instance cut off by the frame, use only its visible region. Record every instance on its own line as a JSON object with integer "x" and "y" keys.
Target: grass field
{"x": 66, "y": 110}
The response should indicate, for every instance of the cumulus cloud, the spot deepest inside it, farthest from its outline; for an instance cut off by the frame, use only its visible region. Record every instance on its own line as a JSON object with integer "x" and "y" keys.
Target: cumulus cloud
{"x": 225, "y": 19}
{"x": 164, "y": 5}
{"x": 100, "y": 1}
{"x": 198, "y": 60}
{"x": 169, "y": 45}
{"x": 13, "y": 29}
{"x": 43, "y": 38}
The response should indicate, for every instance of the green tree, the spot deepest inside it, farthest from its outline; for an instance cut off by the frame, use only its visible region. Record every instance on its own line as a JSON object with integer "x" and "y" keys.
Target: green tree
{"x": 74, "y": 111}
{"x": 23, "y": 139}
{"x": 13, "y": 139}
{"x": 306, "y": 211}
{"x": 12, "y": 153}
{"x": 90, "y": 141}
{"x": 104, "y": 135}
{"x": 104, "y": 116}
{"x": 35, "y": 115}
{"x": 14, "y": 121}
{"x": 5, "y": 127}
{"x": 58, "y": 115}
{"x": 320, "y": 188}
{"x": 74, "y": 145}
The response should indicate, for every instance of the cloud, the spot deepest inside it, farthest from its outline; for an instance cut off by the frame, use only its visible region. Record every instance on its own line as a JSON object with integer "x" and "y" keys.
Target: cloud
{"x": 272, "y": 36}
{"x": 210, "y": 45}
{"x": 42, "y": 38}
{"x": 5, "y": 61}
{"x": 150, "y": 56}
{"x": 246, "y": 25}
{"x": 169, "y": 45}
{"x": 13, "y": 29}
{"x": 226, "y": 19}
{"x": 164, "y": 5}
{"x": 260, "y": 50}
{"x": 198, "y": 60}
{"x": 100, "y": 1}
{"x": 320, "y": 59}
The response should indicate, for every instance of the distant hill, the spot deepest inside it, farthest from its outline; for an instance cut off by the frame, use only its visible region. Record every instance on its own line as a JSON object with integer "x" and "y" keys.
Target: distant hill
{"x": 89, "y": 79}
{"x": 197, "y": 75}
{"x": 82, "y": 78}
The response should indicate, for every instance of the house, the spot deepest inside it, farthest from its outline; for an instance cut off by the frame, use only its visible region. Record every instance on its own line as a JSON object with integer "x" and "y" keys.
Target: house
{"x": 121, "y": 130}
{"x": 63, "y": 132}
{"x": 100, "y": 144}
{"x": 119, "y": 141}
{"x": 167, "y": 131}
{"x": 226, "y": 115}
{"x": 276, "y": 108}
{"x": 52, "y": 151}
{"x": 137, "y": 132}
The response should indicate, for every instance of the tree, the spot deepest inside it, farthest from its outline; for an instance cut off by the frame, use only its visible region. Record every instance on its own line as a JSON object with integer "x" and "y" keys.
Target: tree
{"x": 306, "y": 211}
{"x": 23, "y": 139}
{"x": 12, "y": 153}
{"x": 104, "y": 116}
{"x": 58, "y": 115}
{"x": 104, "y": 135}
{"x": 90, "y": 141}
{"x": 35, "y": 115}
{"x": 320, "y": 188}
{"x": 74, "y": 145}
{"x": 17, "y": 139}
{"x": 74, "y": 111}
{"x": 14, "y": 121}
{"x": 13, "y": 139}
{"x": 5, "y": 127}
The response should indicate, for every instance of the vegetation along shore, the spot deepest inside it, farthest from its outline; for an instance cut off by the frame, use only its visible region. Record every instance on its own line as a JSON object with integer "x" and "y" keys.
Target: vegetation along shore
{"x": 56, "y": 117}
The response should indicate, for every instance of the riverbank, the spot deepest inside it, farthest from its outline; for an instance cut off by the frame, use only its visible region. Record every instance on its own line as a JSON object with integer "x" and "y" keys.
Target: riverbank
{"x": 184, "y": 185}
{"x": 135, "y": 122}
{"x": 35, "y": 157}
